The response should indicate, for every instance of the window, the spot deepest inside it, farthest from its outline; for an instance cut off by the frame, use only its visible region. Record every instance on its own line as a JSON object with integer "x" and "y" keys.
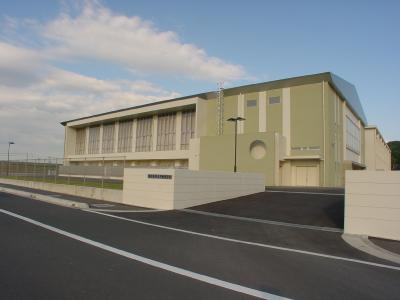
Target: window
{"x": 166, "y": 132}
{"x": 274, "y": 100}
{"x": 144, "y": 134}
{"x": 187, "y": 128}
{"x": 108, "y": 138}
{"x": 94, "y": 140}
{"x": 353, "y": 140}
{"x": 125, "y": 136}
{"x": 80, "y": 141}
{"x": 252, "y": 103}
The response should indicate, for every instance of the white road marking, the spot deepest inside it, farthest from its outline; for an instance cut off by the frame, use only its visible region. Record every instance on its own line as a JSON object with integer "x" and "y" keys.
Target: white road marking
{"x": 151, "y": 262}
{"x": 251, "y": 243}
{"x": 312, "y": 193}
{"x": 126, "y": 211}
{"x": 294, "y": 225}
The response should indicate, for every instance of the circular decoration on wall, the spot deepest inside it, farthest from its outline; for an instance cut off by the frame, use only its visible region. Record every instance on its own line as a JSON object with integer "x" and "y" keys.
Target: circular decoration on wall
{"x": 258, "y": 149}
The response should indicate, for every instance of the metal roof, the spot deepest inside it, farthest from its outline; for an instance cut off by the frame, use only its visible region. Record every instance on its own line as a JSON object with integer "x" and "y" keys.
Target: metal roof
{"x": 344, "y": 88}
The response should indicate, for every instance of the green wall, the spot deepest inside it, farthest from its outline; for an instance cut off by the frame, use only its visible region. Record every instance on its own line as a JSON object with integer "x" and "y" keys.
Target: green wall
{"x": 217, "y": 153}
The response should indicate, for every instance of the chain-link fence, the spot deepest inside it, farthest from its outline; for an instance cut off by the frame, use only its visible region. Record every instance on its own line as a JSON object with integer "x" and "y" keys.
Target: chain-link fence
{"x": 98, "y": 172}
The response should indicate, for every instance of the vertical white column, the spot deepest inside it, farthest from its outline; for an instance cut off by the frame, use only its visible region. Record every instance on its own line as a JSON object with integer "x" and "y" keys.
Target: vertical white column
{"x": 155, "y": 124}
{"x": 262, "y": 111}
{"x": 116, "y": 136}
{"x": 101, "y": 139}
{"x": 87, "y": 140}
{"x": 286, "y": 118}
{"x": 134, "y": 127}
{"x": 178, "y": 130}
{"x": 240, "y": 110}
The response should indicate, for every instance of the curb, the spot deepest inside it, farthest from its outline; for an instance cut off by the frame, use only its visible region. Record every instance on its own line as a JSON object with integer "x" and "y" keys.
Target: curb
{"x": 44, "y": 198}
{"x": 362, "y": 243}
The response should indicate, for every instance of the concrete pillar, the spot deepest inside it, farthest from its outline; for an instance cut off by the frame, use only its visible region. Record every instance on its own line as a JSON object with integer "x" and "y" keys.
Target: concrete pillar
{"x": 262, "y": 111}
{"x": 178, "y": 130}
{"x": 101, "y": 139}
{"x": 134, "y": 127}
{"x": 286, "y": 118}
{"x": 240, "y": 113}
{"x": 87, "y": 140}
{"x": 155, "y": 125}
{"x": 116, "y": 137}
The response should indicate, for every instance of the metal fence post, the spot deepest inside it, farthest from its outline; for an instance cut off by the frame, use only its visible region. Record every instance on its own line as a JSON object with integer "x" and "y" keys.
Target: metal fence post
{"x": 55, "y": 172}
{"x": 26, "y": 167}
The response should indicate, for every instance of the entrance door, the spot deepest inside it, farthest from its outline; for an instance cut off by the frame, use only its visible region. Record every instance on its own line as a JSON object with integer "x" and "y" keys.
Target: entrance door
{"x": 307, "y": 176}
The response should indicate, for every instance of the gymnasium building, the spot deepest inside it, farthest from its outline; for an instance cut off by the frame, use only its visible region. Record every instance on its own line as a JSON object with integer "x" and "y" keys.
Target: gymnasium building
{"x": 301, "y": 131}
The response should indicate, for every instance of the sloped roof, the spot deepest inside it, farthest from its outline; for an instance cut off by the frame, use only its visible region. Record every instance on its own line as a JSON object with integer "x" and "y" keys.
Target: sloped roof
{"x": 345, "y": 90}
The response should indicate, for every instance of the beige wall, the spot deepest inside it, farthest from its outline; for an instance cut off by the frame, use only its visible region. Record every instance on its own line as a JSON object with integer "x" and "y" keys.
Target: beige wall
{"x": 377, "y": 152}
{"x": 217, "y": 153}
{"x": 186, "y": 188}
{"x": 75, "y": 190}
{"x": 372, "y": 204}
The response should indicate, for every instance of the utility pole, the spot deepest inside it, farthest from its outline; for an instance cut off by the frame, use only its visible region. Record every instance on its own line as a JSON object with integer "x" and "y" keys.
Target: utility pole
{"x": 8, "y": 158}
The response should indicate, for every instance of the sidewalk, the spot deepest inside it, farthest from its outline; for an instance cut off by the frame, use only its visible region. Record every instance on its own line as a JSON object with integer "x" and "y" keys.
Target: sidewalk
{"x": 64, "y": 199}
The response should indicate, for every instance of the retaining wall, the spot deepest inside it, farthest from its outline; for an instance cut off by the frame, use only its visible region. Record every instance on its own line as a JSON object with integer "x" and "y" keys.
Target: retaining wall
{"x": 181, "y": 188}
{"x": 372, "y": 203}
{"x": 75, "y": 190}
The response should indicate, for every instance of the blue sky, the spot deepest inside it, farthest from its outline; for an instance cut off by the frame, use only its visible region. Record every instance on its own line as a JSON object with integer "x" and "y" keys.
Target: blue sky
{"x": 73, "y": 58}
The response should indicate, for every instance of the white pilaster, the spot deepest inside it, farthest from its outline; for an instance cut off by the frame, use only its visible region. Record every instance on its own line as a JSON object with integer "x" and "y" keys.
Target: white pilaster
{"x": 262, "y": 111}
{"x": 240, "y": 113}
{"x": 87, "y": 141}
{"x": 155, "y": 124}
{"x": 116, "y": 137}
{"x": 286, "y": 118}
{"x": 178, "y": 130}
{"x": 134, "y": 127}
{"x": 101, "y": 139}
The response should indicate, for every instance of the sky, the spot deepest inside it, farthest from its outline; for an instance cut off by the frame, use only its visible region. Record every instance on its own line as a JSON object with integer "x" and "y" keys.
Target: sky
{"x": 61, "y": 60}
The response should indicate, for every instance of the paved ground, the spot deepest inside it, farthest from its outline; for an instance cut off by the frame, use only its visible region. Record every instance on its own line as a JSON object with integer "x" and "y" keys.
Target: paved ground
{"x": 74, "y": 254}
{"x": 308, "y": 206}
{"x": 93, "y": 203}
{"x": 392, "y": 246}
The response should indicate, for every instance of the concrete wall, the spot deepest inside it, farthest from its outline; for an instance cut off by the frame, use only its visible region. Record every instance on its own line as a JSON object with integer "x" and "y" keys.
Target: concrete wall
{"x": 372, "y": 203}
{"x": 179, "y": 188}
{"x": 75, "y": 190}
{"x": 377, "y": 152}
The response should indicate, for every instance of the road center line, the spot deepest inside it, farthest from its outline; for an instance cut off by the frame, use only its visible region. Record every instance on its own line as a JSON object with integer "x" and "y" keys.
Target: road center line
{"x": 251, "y": 243}
{"x": 311, "y": 193}
{"x": 153, "y": 263}
{"x": 278, "y": 223}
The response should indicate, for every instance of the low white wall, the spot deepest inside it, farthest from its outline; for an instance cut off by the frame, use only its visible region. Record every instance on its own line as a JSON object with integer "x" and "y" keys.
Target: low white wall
{"x": 372, "y": 203}
{"x": 180, "y": 188}
{"x": 75, "y": 190}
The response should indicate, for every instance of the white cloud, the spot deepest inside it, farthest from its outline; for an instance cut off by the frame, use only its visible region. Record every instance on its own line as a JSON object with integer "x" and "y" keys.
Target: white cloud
{"x": 36, "y": 94}
{"x": 32, "y": 106}
{"x": 98, "y": 33}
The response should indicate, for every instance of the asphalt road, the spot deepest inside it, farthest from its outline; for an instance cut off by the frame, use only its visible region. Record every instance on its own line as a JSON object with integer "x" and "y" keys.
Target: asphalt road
{"x": 308, "y": 206}
{"x": 74, "y": 254}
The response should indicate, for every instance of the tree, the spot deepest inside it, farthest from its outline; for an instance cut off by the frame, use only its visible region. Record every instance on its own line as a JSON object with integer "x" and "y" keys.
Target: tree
{"x": 395, "y": 148}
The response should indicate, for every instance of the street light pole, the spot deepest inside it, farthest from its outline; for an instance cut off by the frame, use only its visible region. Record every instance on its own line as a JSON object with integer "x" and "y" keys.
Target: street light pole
{"x": 236, "y": 122}
{"x": 8, "y": 158}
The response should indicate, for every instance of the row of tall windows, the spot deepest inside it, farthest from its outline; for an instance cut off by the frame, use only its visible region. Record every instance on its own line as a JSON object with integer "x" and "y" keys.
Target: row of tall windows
{"x": 166, "y": 135}
{"x": 353, "y": 140}
{"x": 166, "y": 132}
{"x": 187, "y": 128}
{"x": 144, "y": 134}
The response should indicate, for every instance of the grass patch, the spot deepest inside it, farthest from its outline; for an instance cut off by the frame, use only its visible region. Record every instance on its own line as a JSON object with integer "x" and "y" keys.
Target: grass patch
{"x": 90, "y": 182}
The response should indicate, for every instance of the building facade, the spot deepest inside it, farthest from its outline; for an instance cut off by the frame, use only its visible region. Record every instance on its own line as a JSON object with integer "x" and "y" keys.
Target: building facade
{"x": 302, "y": 131}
